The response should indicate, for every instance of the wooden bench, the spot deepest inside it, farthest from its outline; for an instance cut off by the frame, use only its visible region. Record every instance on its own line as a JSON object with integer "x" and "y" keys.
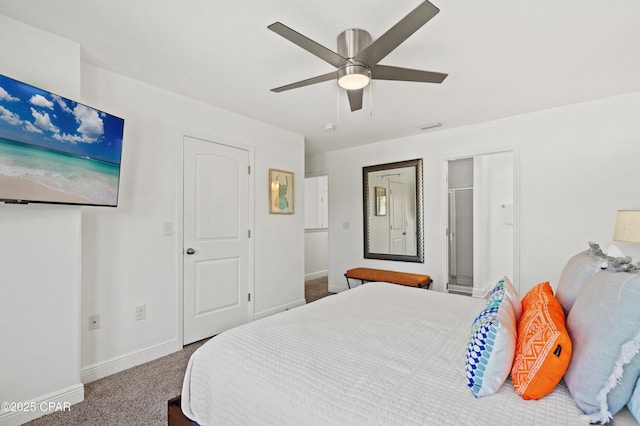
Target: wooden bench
{"x": 402, "y": 278}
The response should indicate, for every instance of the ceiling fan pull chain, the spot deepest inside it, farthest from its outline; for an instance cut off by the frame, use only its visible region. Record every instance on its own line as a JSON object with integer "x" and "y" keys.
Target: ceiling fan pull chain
{"x": 338, "y": 94}
{"x": 371, "y": 99}
{"x": 337, "y": 104}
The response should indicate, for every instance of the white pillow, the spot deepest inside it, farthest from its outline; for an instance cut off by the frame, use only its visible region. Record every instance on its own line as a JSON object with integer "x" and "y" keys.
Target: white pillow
{"x": 612, "y": 251}
{"x": 491, "y": 349}
{"x": 511, "y": 293}
{"x": 575, "y": 273}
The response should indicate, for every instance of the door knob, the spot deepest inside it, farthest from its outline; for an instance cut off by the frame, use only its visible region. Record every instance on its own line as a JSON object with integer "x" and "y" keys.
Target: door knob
{"x": 190, "y": 251}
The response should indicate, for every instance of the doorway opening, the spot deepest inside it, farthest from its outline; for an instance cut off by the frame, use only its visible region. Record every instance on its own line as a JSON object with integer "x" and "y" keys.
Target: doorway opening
{"x": 480, "y": 231}
{"x": 316, "y": 237}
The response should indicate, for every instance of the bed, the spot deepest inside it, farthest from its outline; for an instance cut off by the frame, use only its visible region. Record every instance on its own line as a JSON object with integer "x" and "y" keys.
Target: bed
{"x": 378, "y": 354}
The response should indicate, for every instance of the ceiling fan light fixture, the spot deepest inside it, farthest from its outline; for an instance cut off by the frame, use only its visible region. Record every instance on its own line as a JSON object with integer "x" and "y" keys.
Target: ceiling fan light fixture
{"x": 353, "y": 77}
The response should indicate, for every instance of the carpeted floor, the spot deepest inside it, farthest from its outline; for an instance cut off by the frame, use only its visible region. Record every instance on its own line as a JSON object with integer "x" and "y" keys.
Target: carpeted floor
{"x": 138, "y": 396}
{"x": 316, "y": 289}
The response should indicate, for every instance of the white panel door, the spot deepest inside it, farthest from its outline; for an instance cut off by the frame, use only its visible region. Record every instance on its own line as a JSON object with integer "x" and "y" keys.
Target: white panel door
{"x": 216, "y": 238}
{"x": 397, "y": 220}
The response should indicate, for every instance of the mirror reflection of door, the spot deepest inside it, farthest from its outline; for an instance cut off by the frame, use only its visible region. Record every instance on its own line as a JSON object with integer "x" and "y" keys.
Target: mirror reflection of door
{"x": 397, "y": 220}
{"x": 480, "y": 225}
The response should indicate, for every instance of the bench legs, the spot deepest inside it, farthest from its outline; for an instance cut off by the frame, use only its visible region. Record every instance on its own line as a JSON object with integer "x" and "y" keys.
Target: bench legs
{"x": 349, "y": 284}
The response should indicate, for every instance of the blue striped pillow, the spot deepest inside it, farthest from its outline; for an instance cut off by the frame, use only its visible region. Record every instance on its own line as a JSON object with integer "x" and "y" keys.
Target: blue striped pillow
{"x": 490, "y": 349}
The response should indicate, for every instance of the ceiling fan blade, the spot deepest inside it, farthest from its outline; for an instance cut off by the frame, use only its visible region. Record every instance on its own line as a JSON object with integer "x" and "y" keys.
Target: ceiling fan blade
{"x": 401, "y": 31}
{"x": 313, "y": 80}
{"x": 309, "y": 45}
{"x": 384, "y": 72}
{"x": 355, "y": 99}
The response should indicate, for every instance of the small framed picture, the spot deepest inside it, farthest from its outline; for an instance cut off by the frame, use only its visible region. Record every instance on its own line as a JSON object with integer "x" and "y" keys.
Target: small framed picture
{"x": 381, "y": 201}
{"x": 280, "y": 192}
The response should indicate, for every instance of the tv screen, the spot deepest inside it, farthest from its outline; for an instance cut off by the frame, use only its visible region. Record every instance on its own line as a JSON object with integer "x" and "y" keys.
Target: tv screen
{"x": 55, "y": 150}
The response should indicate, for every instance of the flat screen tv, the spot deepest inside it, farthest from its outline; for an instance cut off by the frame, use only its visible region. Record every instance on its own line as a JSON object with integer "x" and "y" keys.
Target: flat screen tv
{"x": 55, "y": 150}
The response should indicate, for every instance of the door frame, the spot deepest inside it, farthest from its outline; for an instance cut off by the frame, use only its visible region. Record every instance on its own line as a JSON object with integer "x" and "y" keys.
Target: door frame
{"x": 515, "y": 150}
{"x": 318, "y": 173}
{"x": 179, "y": 228}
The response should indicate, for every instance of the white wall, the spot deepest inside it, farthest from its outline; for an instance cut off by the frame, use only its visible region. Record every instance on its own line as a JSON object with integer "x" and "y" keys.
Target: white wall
{"x": 316, "y": 253}
{"x": 494, "y": 247}
{"x": 577, "y": 165}
{"x": 316, "y": 207}
{"x": 127, "y": 261}
{"x": 40, "y": 251}
{"x": 121, "y": 256}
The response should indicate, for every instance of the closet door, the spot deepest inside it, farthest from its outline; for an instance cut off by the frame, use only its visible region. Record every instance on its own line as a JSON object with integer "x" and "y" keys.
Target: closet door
{"x": 216, "y": 238}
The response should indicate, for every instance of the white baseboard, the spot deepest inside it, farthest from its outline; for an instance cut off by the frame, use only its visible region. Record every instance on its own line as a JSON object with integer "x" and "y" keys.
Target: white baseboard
{"x": 314, "y": 275}
{"x": 115, "y": 365}
{"x": 61, "y": 400}
{"x": 281, "y": 308}
{"x": 333, "y": 288}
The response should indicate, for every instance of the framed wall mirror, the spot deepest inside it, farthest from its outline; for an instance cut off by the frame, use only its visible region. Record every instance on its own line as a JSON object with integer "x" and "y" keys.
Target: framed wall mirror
{"x": 393, "y": 211}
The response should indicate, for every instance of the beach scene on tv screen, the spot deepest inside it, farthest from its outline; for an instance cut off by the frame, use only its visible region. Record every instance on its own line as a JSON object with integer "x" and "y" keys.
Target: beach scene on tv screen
{"x": 53, "y": 149}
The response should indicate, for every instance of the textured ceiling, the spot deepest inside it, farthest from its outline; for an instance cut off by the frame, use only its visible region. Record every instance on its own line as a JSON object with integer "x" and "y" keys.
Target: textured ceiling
{"x": 503, "y": 57}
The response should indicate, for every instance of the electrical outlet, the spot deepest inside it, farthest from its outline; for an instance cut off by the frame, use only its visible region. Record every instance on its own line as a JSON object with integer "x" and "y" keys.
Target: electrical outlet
{"x": 141, "y": 312}
{"x": 94, "y": 322}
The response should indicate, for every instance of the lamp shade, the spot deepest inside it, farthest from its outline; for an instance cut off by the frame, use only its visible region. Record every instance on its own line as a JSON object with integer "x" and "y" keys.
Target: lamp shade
{"x": 627, "y": 228}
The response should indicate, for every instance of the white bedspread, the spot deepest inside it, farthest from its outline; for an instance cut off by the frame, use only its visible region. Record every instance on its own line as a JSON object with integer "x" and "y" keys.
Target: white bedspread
{"x": 379, "y": 354}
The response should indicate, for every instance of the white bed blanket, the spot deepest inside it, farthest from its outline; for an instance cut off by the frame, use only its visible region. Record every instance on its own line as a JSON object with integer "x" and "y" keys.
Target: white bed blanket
{"x": 379, "y": 354}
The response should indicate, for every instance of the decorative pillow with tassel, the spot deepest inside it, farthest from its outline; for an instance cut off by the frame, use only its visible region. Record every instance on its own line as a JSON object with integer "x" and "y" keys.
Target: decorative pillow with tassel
{"x": 584, "y": 265}
{"x": 604, "y": 325}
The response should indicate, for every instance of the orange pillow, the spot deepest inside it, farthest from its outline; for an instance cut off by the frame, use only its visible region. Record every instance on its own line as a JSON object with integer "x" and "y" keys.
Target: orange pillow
{"x": 543, "y": 346}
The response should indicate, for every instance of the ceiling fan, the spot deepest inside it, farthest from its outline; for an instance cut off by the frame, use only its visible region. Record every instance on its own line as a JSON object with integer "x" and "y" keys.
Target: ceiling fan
{"x": 358, "y": 55}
